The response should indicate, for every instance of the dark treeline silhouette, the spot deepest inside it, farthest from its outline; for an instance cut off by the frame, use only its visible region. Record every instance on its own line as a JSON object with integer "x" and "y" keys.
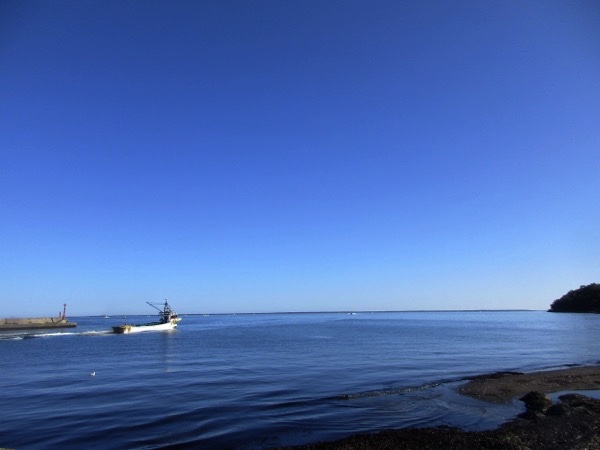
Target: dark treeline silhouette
{"x": 586, "y": 299}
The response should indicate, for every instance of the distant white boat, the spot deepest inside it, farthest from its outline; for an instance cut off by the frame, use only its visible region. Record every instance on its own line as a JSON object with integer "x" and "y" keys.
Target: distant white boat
{"x": 167, "y": 320}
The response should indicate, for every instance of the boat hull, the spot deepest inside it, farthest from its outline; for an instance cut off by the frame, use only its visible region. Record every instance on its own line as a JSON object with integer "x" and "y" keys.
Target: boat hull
{"x": 126, "y": 328}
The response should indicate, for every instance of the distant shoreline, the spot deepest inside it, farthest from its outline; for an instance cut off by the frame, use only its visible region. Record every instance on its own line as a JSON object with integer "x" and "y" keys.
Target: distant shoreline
{"x": 349, "y": 312}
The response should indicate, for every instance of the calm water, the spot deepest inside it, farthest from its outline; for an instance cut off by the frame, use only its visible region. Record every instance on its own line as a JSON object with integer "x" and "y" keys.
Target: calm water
{"x": 257, "y": 381}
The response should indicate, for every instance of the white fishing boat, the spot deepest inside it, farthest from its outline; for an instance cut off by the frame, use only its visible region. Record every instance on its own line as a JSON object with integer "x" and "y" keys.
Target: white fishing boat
{"x": 167, "y": 320}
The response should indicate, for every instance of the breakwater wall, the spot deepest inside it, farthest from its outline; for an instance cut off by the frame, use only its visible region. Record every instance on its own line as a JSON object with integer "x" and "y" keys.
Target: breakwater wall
{"x": 35, "y": 322}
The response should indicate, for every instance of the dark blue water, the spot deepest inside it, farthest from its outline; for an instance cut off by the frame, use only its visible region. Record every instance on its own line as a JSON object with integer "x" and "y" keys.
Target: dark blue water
{"x": 257, "y": 381}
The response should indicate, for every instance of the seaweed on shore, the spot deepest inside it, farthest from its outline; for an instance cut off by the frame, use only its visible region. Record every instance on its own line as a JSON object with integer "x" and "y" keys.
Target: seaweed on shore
{"x": 573, "y": 423}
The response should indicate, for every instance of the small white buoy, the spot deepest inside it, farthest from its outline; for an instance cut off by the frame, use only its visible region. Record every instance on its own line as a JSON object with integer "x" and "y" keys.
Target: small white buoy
{"x": 93, "y": 374}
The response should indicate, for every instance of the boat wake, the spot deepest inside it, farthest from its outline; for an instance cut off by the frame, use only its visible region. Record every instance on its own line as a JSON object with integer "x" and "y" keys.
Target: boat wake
{"x": 8, "y": 337}
{"x": 21, "y": 336}
{"x": 95, "y": 333}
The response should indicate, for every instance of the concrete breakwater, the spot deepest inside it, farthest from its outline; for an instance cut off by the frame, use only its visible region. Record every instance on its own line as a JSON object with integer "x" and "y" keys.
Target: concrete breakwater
{"x": 27, "y": 323}
{"x": 36, "y": 322}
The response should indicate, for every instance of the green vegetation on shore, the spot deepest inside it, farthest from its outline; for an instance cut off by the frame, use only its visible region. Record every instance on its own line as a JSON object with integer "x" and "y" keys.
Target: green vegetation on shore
{"x": 586, "y": 299}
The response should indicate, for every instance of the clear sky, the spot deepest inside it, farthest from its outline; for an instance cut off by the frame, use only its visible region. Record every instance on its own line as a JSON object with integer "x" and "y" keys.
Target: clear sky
{"x": 258, "y": 156}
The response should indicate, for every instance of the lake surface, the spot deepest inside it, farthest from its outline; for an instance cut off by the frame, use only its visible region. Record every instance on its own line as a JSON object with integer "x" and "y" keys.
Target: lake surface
{"x": 258, "y": 381}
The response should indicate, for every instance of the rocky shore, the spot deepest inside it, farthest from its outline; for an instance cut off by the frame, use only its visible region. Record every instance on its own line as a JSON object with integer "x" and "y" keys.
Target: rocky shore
{"x": 504, "y": 386}
{"x": 571, "y": 423}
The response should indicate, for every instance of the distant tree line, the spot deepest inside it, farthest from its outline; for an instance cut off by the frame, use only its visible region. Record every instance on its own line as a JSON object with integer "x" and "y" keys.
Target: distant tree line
{"x": 586, "y": 299}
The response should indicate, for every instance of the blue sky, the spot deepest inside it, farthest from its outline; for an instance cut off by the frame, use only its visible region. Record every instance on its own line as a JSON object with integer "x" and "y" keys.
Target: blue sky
{"x": 258, "y": 156}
